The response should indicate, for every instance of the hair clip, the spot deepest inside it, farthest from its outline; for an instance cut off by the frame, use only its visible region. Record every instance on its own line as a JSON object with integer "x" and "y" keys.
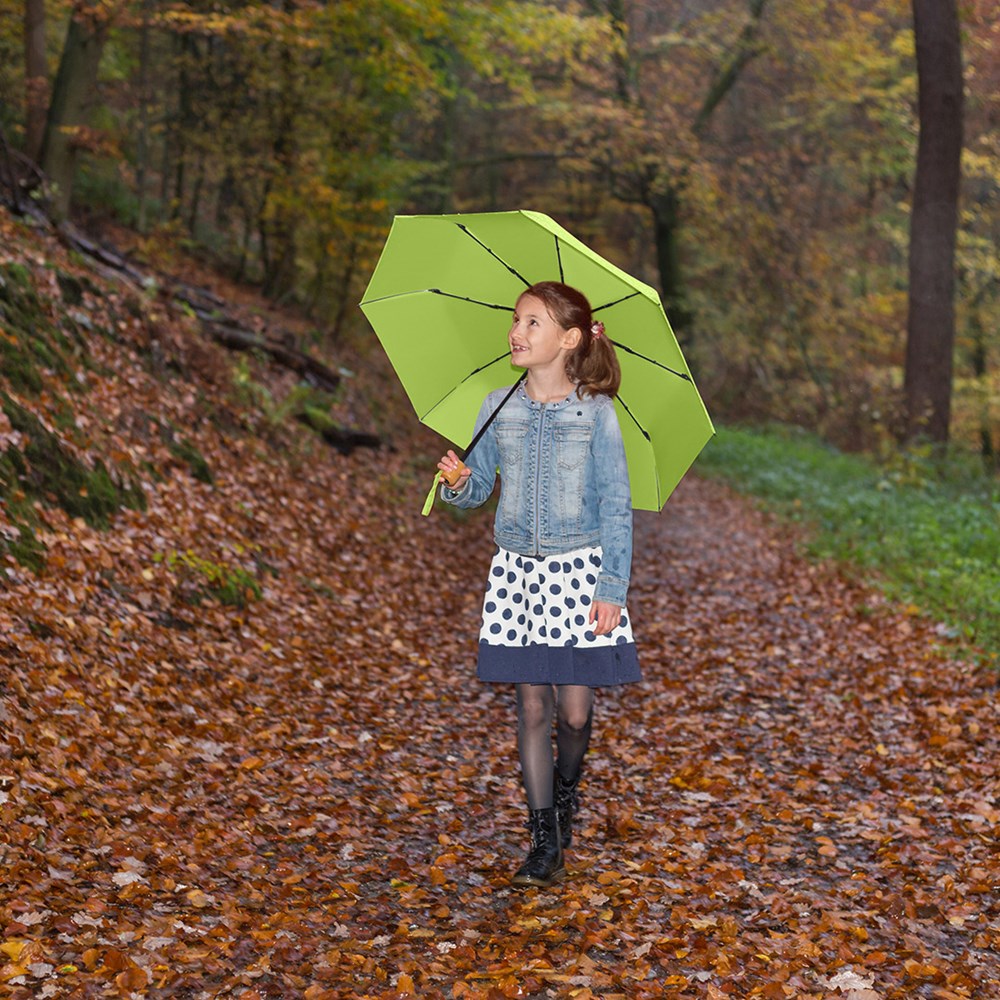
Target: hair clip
{"x": 597, "y": 329}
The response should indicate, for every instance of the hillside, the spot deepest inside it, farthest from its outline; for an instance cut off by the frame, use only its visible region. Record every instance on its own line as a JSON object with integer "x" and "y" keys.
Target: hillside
{"x": 243, "y": 752}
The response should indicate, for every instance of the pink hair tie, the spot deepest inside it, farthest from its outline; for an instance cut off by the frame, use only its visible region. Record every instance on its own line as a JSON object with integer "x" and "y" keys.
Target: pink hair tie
{"x": 597, "y": 329}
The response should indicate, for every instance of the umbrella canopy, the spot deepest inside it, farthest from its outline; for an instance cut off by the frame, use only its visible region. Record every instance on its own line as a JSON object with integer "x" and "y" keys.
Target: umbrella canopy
{"x": 441, "y": 300}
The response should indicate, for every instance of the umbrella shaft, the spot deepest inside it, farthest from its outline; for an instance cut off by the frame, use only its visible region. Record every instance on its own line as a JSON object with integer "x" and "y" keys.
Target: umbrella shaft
{"x": 489, "y": 420}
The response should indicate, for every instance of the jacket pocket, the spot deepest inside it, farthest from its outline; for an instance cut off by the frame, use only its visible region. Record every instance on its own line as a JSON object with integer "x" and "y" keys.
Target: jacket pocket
{"x": 571, "y": 444}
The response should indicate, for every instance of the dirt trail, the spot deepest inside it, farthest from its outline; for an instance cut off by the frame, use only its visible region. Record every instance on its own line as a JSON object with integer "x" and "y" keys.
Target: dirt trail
{"x": 315, "y": 798}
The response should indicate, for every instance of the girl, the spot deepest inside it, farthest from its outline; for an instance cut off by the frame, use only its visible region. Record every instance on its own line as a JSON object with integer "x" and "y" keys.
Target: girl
{"x": 554, "y": 620}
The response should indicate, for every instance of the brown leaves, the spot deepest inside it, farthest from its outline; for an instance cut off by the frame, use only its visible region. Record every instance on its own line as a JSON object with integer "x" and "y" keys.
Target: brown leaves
{"x": 312, "y": 795}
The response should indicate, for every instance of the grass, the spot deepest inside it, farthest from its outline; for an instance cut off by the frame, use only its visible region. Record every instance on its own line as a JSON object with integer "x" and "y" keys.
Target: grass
{"x": 926, "y": 532}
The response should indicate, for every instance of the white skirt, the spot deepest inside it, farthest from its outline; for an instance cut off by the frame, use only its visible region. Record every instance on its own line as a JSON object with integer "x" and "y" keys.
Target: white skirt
{"x": 536, "y": 625}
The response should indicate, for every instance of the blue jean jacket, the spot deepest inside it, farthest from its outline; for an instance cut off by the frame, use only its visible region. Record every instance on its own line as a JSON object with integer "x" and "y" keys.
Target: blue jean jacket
{"x": 563, "y": 481}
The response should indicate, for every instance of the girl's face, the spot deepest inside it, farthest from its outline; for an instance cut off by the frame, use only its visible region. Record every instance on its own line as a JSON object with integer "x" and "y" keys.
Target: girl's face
{"x": 536, "y": 339}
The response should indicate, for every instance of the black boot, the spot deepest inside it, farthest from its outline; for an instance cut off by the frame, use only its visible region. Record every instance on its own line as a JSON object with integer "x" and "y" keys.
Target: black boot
{"x": 544, "y": 864}
{"x": 567, "y": 805}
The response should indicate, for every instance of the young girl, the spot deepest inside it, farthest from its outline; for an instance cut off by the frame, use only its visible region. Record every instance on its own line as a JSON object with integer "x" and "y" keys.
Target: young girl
{"x": 554, "y": 620}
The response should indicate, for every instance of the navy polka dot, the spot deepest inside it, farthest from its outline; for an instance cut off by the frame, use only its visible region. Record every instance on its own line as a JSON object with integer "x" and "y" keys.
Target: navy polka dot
{"x": 531, "y": 603}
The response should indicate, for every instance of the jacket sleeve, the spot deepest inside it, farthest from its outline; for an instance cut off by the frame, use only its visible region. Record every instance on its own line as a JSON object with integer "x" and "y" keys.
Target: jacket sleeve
{"x": 614, "y": 499}
{"x": 483, "y": 462}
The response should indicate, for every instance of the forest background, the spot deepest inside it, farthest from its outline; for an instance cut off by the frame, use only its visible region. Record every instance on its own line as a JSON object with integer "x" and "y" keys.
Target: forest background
{"x": 753, "y": 159}
{"x": 237, "y": 757}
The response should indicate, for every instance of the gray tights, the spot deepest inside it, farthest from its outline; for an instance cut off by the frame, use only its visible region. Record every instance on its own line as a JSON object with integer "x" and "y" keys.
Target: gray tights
{"x": 573, "y": 705}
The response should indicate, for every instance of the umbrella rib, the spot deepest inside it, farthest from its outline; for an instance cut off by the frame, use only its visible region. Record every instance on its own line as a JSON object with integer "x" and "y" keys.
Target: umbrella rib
{"x": 475, "y": 371}
{"x": 520, "y": 277}
{"x": 642, "y": 430}
{"x": 608, "y": 305}
{"x": 562, "y": 277}
{"x": 645, "y": 434}
{"x": 465, "y": 298}
{"x": 673, "y": 371}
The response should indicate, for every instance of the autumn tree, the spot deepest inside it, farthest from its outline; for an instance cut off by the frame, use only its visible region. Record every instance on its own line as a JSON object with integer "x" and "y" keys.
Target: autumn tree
{"x": 72, "y": 96}
{"x": 662, "y": 116}
{"x": 931, "y": 324}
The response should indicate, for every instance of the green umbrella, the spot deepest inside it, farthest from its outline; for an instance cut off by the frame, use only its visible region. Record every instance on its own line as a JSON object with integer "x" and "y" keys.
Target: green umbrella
{"x": 441, "y": 299}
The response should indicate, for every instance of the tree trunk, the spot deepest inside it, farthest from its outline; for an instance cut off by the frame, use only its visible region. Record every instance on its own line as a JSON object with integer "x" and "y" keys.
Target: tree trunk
{"x": 36, "y": 76}
{"x": 930, "y": 334}
{"x": 666, "y": 230}
{"x": 74, "y": 87}
{"x": 142, "y": 151}
{"x": 979, "y": 370}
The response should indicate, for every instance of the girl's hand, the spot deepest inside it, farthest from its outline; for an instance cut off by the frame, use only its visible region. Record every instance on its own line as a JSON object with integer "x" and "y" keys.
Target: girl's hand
{"x": 454, "y": 471}
{"x": 607, "y": 617}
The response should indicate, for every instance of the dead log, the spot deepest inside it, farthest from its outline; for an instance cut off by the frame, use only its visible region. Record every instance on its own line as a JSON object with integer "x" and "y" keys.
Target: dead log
{"x": 239, "y": 338}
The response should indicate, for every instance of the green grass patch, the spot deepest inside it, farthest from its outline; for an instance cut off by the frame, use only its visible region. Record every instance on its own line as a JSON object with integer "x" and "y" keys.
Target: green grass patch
{"x": 201, "y": 578}
{"x": 927, "y": 532}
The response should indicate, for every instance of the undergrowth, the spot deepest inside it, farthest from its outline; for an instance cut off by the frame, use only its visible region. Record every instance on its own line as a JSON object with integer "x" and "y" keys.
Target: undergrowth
{"x": 925, "y": 531}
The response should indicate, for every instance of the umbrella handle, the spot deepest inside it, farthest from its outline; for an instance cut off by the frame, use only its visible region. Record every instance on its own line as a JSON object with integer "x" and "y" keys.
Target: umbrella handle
{"x": 451, "y": 477}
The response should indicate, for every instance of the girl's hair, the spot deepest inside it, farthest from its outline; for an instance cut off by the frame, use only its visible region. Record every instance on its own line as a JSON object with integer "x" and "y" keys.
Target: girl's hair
{"x": 592, "y": 364}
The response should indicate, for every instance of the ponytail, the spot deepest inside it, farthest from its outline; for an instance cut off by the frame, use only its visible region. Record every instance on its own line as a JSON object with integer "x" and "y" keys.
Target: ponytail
{"x": 592, "y": 364}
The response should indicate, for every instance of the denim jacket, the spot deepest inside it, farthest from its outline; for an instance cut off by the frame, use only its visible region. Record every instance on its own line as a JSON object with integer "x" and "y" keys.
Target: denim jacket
{"x": 563, "y": 481}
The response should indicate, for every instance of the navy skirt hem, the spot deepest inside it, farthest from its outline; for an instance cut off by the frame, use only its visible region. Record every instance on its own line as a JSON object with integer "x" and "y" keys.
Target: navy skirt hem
{"x": 603, "y": 666}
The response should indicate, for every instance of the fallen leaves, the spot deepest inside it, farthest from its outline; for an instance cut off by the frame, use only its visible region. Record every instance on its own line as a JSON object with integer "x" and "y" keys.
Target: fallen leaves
{"x": 311, "y": 796}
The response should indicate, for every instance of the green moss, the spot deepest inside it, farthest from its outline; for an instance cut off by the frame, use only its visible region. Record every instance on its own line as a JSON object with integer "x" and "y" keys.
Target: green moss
{"x": 195, "y": 461}
{"x": 52, "y": 475}
{"x": 29, "y": 343}
{"x": 203, "y": 579}
{"x": 17, "y": 537}
{"x": 71, "y": 288}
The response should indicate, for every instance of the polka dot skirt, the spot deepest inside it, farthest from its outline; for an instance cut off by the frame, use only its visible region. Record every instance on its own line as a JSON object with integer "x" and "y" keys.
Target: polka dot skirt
{"x": 536, "y": 624}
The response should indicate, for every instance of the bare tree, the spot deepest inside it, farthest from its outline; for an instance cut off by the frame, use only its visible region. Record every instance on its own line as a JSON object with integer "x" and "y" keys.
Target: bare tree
{"x": 36, "y": 76}
{"x": 930, "y": 334}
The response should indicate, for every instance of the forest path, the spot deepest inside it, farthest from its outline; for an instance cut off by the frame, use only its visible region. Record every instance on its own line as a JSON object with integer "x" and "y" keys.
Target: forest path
{"x": 315, "y": 798}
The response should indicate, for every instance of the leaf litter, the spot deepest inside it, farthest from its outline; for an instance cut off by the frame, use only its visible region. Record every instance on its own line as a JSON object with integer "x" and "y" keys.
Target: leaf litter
{"x": 311, "y": 795}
